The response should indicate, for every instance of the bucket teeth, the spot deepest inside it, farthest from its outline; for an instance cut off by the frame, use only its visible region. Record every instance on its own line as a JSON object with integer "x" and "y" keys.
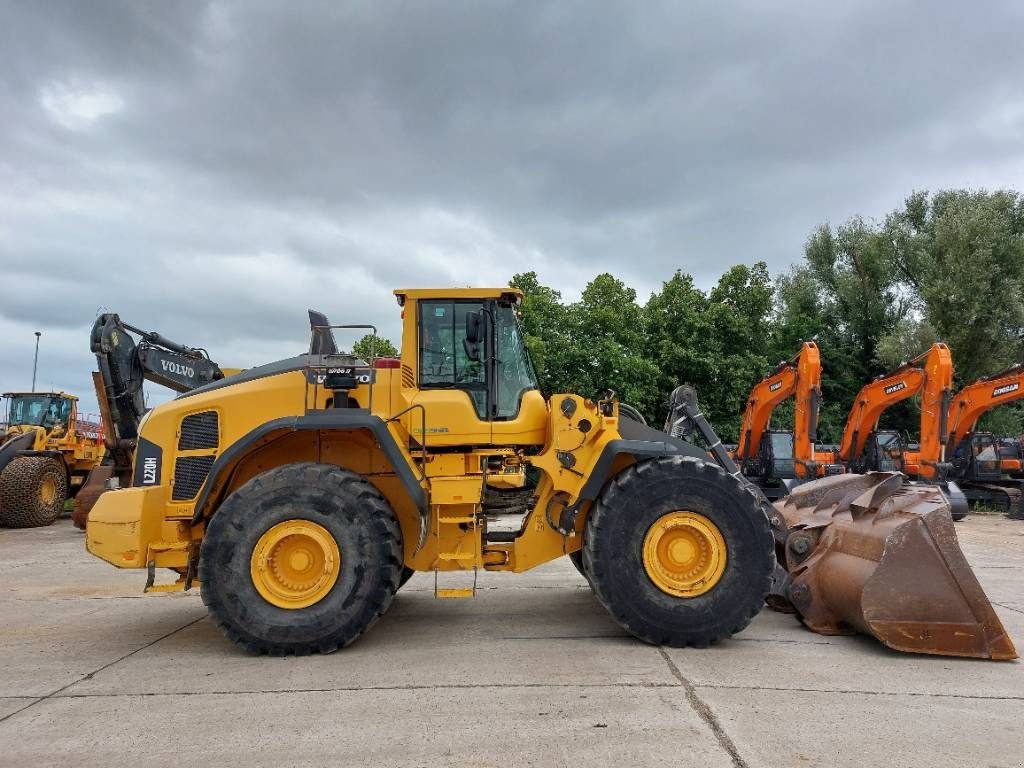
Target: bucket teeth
{"x": 878, "y": 555}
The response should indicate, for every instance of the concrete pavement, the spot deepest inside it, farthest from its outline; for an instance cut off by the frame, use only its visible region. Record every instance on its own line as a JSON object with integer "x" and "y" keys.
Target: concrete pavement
{"x": 532, "y": 672}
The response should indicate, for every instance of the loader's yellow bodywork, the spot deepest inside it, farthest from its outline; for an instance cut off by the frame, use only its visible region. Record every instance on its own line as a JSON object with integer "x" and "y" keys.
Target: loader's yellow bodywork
{"x": 438, "y": 434}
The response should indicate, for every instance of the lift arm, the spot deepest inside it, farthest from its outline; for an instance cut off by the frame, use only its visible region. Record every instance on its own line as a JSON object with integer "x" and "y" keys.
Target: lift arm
{"x": 932, "y": 371}
{"x": 975, "y": 400}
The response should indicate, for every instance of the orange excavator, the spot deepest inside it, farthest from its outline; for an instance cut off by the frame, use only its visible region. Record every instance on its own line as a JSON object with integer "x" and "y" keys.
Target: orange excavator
{"x": 778, "y": 460}
{"x": 866, "y": 448}
{"x": 977, "y": 462}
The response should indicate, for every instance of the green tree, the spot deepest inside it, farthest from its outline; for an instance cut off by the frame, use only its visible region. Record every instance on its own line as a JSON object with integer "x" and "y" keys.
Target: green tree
{"x": 381, "y": 346}
{"x": 961, "y": 255}
{"x": 607, "y": 351}
{"x": 545, "y": 331}
{"x": 718, "y": 342}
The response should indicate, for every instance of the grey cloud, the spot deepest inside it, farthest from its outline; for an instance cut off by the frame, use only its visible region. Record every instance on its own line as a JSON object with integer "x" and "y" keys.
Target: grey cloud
{"x": 222, "y": 165}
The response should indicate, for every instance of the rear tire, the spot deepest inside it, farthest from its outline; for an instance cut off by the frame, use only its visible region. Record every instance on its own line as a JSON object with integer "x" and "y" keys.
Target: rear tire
{"x": 334, "y": 502}
{"x": 625, "y": 517}
{"x": 33, "y": 490}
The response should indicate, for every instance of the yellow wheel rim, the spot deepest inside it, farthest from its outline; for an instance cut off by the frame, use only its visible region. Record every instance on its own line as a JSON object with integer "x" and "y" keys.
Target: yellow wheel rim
{"x": 684, "y": 554}
{"x": 47, "y": 492}
{"x": 295, "y": 564}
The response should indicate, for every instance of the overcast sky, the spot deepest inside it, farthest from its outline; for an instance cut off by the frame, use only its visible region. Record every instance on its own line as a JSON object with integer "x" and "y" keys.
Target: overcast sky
{"x": 209, "y": 170}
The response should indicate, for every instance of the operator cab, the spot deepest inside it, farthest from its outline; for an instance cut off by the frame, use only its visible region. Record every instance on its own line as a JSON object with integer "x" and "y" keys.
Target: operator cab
{"x": 774, "y": 467}
{"x": 980, "y": 456}
{"x": 53, "y": 411}
{"x": 883, "y": 452}
{"x": 777, "y": 448}
{"x": 465, "y": 362}
{"x": 477, "y": 347}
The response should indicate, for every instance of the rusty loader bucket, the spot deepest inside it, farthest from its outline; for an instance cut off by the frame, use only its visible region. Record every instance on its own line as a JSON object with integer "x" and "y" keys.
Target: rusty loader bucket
{"x": 876, "y": 554}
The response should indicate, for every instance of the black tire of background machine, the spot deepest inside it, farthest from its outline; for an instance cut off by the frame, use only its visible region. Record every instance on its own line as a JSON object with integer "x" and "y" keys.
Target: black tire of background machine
{"x": 613, "y": 551}
{"x": 20, "y": 503}
{"x": 361, "y": 522}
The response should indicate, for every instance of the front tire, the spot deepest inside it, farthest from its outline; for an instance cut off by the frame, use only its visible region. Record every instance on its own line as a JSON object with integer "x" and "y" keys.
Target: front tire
{"x": 33, "y": 490}
{"x": 301, "y": 559}
{"x": 679, "y": 552}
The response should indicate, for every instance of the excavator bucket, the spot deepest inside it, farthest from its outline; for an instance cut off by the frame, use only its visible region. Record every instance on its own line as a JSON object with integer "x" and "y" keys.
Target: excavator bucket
{"x": 879, "y": 555}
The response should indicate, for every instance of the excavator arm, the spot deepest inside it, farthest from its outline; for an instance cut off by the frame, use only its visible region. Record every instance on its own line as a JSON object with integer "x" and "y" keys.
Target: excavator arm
{"x": 808, "y": 401}
{"x": 975, "y": 400}
{"x": 932, "y": 372}
{"x": 799, "y": 376}
{"x": 124, "y": 364}
{"x": 936, "y": 395}
{"x": 764, "y": 397}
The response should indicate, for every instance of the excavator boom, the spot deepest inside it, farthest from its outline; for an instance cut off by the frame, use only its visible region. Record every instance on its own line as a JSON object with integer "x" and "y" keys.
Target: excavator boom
{"x": 766, "y": 394}
{"x": 975, "y": 400}
{"x": 124, "y": 364}
{"x": 799, "y": 376}
{"x": 930, "y": 374}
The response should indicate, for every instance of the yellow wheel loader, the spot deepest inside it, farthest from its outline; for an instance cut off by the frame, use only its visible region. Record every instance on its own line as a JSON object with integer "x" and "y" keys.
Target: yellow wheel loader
{"x": 45, "y": 456}
{"x": 301, "y": 494}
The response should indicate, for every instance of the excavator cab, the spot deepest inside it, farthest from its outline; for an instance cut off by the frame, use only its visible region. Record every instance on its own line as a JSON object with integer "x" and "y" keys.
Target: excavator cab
{"x": 1010, "y": 457}
{"x": 774, "y": 463}
{"x": 883, "y": 452}
{"x": 979, "y": 457}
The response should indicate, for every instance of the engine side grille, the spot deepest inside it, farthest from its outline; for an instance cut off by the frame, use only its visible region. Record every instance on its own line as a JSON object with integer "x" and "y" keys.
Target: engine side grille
{"x": 190, "y": 473}
{"x": 199, "y": 431}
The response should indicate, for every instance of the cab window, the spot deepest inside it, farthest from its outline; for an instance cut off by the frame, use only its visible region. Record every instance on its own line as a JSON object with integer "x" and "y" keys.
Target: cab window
{"x": 444, "y": 363}
{"x": 514, "y": 369}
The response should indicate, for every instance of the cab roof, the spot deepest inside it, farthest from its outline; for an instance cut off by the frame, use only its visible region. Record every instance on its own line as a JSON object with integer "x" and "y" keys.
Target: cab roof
{"x": 455, "y": 294}
{"x": 38, "y": 394}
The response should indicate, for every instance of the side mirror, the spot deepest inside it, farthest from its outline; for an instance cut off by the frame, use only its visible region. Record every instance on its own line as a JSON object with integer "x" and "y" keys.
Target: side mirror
{"x": 474, "y": 335}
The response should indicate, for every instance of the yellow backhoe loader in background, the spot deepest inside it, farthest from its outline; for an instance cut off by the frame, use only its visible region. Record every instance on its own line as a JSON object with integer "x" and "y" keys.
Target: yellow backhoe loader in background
{"x": 300, "y": 495}
{"x": 46, "y": 453}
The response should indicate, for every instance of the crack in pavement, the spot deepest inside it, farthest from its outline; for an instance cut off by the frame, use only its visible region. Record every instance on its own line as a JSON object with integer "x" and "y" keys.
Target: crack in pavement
{"x": 90, "y": 675}
{"x": 926, "y": 694}
{"x": 704, "y": 712}
{"x": 474, "y": 686}
{"x": 366, "y": 689}
{"x": 1008, "y": 607}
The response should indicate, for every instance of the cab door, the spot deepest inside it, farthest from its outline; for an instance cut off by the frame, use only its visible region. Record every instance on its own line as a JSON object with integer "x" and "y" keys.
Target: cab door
{"x": 451, "y": 387}
{"x": 474, "y": 377}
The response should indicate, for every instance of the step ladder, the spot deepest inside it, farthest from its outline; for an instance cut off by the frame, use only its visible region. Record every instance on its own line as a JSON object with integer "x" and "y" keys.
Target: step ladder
{"x": 465, "y": 559}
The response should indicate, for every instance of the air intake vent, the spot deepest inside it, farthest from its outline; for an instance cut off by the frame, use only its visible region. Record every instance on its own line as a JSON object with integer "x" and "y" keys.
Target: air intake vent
{"x": 407, "y": 378}
{"x": 190, "y": 473}
{"x": 198, "y": 431}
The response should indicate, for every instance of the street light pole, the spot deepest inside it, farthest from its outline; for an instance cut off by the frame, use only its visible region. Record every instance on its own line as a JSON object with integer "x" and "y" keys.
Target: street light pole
{"x": 35, "y": 363}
